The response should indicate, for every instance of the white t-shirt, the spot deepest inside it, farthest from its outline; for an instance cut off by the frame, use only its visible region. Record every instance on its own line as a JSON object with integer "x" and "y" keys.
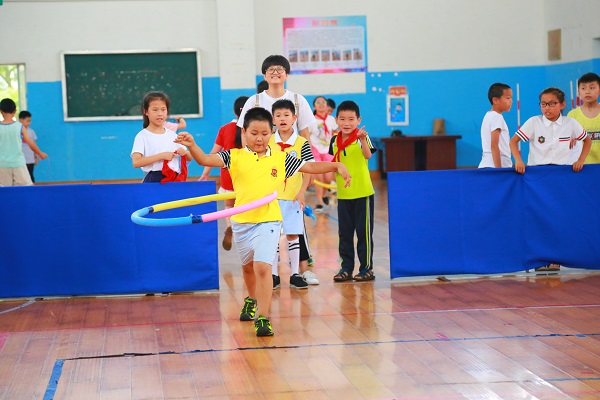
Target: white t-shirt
{"x": 303, "y": 111}
{"x": 319, "y": 138}
{"x": 148, "y": 144}
{"x": 550, "y": 139}
{"x": 491, "y": 121}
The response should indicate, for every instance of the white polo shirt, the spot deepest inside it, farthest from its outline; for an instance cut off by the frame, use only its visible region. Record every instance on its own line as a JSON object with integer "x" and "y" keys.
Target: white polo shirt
{"x": 550, "y": 139}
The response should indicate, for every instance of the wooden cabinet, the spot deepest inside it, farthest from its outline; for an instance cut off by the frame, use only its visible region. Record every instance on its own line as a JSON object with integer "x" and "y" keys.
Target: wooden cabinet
{"x": 417, "y": 153}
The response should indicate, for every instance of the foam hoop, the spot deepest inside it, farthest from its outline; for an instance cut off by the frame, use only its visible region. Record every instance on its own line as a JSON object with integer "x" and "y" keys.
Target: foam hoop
{"x": 138, "y": 217}
{"x": 325, "y": 185}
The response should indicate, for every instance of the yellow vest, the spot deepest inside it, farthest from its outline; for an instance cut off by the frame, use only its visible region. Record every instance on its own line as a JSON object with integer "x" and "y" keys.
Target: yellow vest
{"x": 254, "y": 178}
{"x": 290, "y": 188}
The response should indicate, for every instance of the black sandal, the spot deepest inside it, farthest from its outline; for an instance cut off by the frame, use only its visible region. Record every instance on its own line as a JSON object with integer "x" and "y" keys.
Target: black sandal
{"x": 342, "y": 276}
{"x": 364, "y": 276}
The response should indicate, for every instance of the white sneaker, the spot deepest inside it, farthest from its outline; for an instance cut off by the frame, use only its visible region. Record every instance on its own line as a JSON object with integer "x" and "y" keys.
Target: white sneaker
{"x": 310, "y": 278}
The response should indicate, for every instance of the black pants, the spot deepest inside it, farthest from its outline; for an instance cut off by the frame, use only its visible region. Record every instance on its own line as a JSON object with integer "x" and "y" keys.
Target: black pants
{"x": 356, "y": 215}
{"x": 153, "y": 177}
{"x": 30, "y": 169}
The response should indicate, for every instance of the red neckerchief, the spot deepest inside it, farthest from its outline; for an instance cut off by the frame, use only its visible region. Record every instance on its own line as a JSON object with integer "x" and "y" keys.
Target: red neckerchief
{"x": 324, "y": 124}
{"x": 342, "y": 145}
{"x": 283, "y": 147}
{"x": 172, "y": 176}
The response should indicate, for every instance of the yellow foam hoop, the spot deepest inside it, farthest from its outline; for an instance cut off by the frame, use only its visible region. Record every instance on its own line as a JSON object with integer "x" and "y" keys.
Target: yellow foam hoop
{"x": 325, "y": 185}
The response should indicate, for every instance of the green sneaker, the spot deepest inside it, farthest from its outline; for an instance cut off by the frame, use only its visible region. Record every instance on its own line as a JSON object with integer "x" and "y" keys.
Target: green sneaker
{"x": 248, "y": 310}
{"x": 310, "y": 261}
{"x": 263, "y": 326}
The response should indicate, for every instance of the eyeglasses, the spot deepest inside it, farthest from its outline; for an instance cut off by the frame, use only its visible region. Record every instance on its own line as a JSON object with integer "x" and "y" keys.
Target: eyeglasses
{"x": 278, "y": 70}
{"x": 549, "y": 104}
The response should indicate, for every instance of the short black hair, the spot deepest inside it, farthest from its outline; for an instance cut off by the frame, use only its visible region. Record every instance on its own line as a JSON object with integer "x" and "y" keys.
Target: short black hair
{"x": 589, "y": 78}
{"x": 331, "y": 103}
{"x": 262, "y": 86}
{"x": 257, "y": 114}
{"x": 238, "y": 105}
{"x": 24, "y": 114}
{"x": 348, "y": 105}
{"x": 284, "y": 104}
{"x": 496, "y": 91}
{"x": 8, "y": 106}
{"x": 560, "y": 95}
{"x": 275, "y": 60}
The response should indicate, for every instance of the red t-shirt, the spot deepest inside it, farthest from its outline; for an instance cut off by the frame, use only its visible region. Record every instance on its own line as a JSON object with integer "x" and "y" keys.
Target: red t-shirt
{"x": 226, "y": 138}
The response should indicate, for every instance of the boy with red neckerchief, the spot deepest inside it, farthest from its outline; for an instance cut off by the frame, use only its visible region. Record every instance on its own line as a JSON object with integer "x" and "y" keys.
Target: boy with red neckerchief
{"x": 353, "y": 148}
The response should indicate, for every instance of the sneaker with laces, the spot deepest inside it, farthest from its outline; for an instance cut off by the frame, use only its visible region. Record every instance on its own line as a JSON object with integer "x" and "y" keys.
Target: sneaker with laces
{"x": 263, "y": 327}
{"x": 310, "y": 278}
{"x": 276, "y": 282}
{"x": 249, "y": 309}
{"x": 298, "y": 282}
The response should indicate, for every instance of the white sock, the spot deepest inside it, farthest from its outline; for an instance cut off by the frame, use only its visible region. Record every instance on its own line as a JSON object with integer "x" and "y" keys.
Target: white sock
{"x": 294, "y": 254}
{"x": 274, "y": 269}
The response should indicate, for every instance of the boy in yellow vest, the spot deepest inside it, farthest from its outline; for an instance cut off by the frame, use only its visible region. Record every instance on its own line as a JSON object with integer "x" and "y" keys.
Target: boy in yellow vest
{"x": 291, "y": 193}
{"x": 256, "y": 172}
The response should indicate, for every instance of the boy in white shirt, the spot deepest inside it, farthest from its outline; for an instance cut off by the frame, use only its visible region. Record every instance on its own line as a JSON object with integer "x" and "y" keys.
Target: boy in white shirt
{"x": 494, "y": 131}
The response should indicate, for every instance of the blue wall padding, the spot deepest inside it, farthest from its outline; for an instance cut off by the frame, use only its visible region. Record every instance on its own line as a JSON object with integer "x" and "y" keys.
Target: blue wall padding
{"x": 79, "y": 240}
{"x": 493, "y": 221}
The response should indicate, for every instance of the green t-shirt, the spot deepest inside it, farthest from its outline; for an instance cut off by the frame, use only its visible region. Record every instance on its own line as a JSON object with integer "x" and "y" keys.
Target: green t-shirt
{"x": 358, "y": 167}
{"x": 11, "y": 146}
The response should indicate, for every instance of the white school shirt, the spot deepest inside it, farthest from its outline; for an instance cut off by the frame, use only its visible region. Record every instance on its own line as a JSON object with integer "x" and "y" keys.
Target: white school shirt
{"x": 550, "y": 139}
{"x": 491, "y": 121}
{"x": 303, "y": 111}
{"x": 318, "y": 138}
{"x": 148, "y": 144}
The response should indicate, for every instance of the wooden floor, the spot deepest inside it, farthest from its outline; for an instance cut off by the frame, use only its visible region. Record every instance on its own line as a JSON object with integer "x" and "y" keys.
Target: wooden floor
{"x": 517, "y": 337}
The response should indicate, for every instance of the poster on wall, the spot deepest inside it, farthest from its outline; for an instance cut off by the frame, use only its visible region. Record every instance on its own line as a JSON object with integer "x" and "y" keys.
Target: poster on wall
{"x": 397, "y": 106}
{"x": 326, "y": 44}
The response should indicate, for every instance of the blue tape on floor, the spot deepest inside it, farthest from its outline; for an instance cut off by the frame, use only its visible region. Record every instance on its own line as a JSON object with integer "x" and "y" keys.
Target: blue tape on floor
{"x": 53, "y": 383}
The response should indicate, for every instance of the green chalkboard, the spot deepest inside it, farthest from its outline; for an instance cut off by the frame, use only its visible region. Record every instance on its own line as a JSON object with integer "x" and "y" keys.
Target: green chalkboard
{"x": 106, "y": 86}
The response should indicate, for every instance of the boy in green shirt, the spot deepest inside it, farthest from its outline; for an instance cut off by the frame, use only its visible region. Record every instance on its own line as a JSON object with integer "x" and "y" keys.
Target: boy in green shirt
{"x": 352, "y": 147}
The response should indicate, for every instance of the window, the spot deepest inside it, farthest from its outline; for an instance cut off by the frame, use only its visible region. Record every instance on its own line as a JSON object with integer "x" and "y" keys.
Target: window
{"x": 12, "y": 84}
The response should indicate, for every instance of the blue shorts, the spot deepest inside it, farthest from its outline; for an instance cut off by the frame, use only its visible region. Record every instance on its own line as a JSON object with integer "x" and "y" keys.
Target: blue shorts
{"x": 257, "y": 242}
{"x": 293, "y": 217}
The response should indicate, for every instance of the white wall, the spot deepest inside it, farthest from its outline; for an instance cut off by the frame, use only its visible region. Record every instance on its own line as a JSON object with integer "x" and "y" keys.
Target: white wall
{"x": 408, "y": 35}
{"x": 579, "y": 21}
{"x": 403, "y": 35}
{"x": 40, "y": 31}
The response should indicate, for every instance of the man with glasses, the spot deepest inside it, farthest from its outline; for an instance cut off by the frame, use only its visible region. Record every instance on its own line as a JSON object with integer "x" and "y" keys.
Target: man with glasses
{"x": 275, "y": 69}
